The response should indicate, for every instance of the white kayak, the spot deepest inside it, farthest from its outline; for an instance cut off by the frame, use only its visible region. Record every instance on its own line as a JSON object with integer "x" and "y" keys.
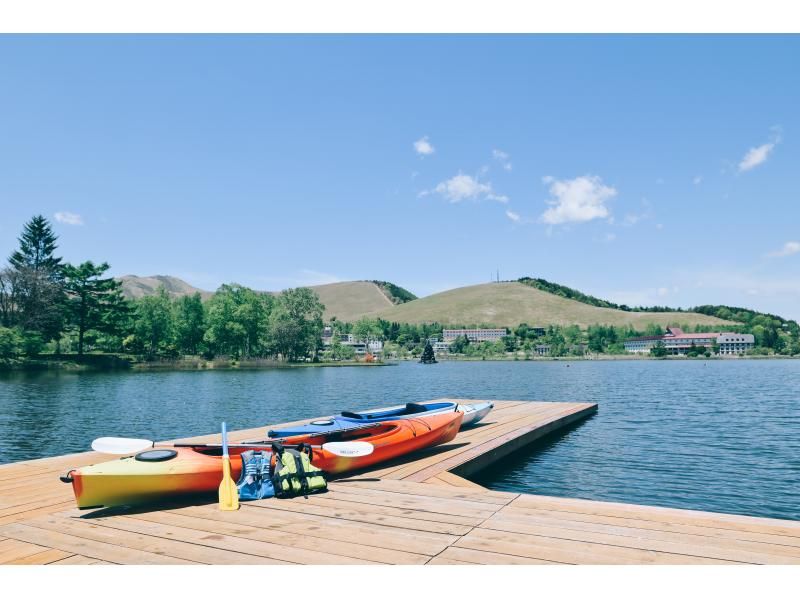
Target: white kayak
{"x": 473, "y": 413}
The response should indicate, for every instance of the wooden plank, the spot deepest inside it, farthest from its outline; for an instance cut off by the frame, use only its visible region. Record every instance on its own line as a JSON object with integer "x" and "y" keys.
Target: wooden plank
{"x": 80, "y": 560}
{"x": 697, "y": 530}
{"x": 90, "y": 548}
{"x": 341, "y": 508}
{"x": 363, "y": 533}
{"x": 252, "y": 523}
{"x": 411, "y": 501}
{"x": 477, "y": 495}
{"x": 559, "y": 550}
{"x": 13, "y": 549}
{"x": 22, "y": 515}
{"x": 458, "y": 481}
{"x": 682, "y": 544}
{"x": 404, "y": 519}
{"x": 156, "y": 544}
{"x": 467, "y": 556}
{"x": 47, "y": 556}
{"x": 217, "y": 536}
{"x": 663, "y": 514}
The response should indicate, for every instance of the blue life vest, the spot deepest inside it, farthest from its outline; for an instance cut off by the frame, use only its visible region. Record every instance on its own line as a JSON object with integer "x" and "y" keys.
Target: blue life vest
{"x": 255, "y": 482}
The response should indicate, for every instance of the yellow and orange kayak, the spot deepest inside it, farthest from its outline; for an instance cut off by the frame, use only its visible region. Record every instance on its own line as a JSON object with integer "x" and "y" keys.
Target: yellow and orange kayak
{"x": 169, "y": 472}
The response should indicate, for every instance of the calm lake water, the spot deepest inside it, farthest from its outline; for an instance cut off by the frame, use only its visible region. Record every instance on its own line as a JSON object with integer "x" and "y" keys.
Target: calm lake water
{"x": 716, "y": 435}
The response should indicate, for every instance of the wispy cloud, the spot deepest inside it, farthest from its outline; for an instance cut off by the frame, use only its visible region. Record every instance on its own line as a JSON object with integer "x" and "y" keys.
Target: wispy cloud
{"x": 758, "y": 155}
{"x": 464, "y": 186}
{"x": 69, "y": 218}
{"x": 503, "y": 157}
{"x": 513, "y": 216}
{"x": 577, "y": 200}
{"x": 696, "y": 180}
{"x": 633, "y": 218}
{"x": 789, "y": 248}
{"x": 424, "y": 147}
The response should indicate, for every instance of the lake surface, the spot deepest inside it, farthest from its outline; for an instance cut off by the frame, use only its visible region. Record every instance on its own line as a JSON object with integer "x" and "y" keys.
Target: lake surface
{"x": 712, "y": 435}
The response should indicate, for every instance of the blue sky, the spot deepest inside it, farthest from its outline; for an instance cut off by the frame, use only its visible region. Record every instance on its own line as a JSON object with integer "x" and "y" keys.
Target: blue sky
{"x": 640, "y": 169}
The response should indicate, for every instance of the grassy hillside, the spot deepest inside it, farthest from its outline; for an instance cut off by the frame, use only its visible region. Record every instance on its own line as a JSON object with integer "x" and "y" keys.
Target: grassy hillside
{"x": 134, "y": 287}
{"x": 513, "y": 303}
{"x": 349, "y": 301}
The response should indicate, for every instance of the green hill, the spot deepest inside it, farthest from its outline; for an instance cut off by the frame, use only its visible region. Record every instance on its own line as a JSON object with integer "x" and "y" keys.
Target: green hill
{"x": 513, "y": 303}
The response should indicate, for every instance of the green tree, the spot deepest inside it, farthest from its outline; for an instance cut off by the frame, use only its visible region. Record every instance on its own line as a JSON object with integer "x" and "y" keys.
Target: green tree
{"x": 37, "y": 246}
{"x": 154, "y": 325}
{"x": 295, "y": 324}
{"x": 94, "y": 302}
{"x": 31, "y": 292}
{"x": 238, "y": 321}
{"x": 427, "y": 354}
{"x": 10, "y": 342}
{"x": 190, "y": 323}
{"x": 658, "y": 349}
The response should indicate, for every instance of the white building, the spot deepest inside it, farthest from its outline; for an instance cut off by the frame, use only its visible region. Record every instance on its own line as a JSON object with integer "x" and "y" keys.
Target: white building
{"x": 731, "y": 343}
{"x": 474, "y": 334}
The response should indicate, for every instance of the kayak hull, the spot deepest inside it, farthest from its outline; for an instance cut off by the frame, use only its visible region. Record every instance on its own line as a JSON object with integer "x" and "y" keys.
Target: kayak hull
{"x": 347, "y": 420}
{"x": 198, "y": 470}
{"x": 474, "y": 412}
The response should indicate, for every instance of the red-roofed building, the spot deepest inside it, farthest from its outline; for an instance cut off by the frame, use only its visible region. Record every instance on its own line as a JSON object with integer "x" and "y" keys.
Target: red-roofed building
{"x": 678, "y": 342}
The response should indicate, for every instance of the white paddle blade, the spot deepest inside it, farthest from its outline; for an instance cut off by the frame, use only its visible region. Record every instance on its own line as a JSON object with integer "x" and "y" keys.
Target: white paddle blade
{"x": 120, "y": 446}
{"x": 349, "y": 449}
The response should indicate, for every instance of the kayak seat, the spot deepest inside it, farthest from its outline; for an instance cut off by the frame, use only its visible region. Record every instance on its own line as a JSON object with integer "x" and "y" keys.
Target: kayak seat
{"x": 352, "y": 415}
{"x": 416, "y": 408}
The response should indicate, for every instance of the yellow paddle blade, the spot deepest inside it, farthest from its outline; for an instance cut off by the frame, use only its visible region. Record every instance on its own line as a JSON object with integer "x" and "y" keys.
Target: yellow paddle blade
{"x": 228, "y": 492}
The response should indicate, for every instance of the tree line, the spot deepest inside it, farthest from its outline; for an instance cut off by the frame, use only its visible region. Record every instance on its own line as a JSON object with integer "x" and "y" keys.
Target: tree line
{"x": 49, "y": 305}
{"x": 410, "y": 339}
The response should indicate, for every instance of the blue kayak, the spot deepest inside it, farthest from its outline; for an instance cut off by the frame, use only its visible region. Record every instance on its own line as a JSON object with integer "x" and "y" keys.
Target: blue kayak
{"x": 352, "y": 419}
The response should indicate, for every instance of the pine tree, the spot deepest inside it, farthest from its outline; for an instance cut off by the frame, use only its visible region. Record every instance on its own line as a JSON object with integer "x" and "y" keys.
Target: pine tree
{"x": 427, "y": 354}
{"x": 95, "y": 303}
{"x": 32, "y": 292}
{"x": 36, "y": 248}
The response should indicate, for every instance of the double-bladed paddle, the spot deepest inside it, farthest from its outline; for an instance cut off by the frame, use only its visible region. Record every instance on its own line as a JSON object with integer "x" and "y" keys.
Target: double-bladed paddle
{"x": 128, "y": 446}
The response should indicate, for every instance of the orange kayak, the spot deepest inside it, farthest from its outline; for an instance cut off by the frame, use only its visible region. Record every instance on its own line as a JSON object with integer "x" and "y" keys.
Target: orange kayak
{"x": 161, "y": 473}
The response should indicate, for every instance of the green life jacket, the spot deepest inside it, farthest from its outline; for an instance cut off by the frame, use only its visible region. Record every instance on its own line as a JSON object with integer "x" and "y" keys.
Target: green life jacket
{"x": 293, "y": 473}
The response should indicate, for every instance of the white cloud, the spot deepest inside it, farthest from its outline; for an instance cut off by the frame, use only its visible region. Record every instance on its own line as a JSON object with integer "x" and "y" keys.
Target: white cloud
{"x": 424, "y": 147}
{"x": 513, "y": 216}
{"x": 577, "y": 200}
{"x": 503, "y": 157}
{"x": 463, "y": 186}
{"x": 69, "y": 218}
{"x": 500, "y": 155}
{"x": 789, "y": 248}
{"x": 697, "y": 180}
{"x": 758, "y": 155}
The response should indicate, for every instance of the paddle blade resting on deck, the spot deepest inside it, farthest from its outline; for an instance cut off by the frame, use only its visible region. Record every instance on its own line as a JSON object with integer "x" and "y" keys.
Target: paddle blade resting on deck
{"x": 228, "y": 492}
{"x": 120, "y": 446}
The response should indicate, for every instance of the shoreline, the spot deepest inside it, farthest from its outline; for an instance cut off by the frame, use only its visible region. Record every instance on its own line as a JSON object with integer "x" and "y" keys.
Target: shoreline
{"x": 109, "y": 362}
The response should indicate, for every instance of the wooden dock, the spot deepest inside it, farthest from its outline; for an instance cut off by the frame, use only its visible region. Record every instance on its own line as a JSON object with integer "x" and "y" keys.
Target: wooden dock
{"x": 415, "y": 511}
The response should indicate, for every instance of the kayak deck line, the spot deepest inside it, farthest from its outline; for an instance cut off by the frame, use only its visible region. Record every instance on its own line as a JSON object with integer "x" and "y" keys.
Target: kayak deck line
{"x": 419, "y": 509}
